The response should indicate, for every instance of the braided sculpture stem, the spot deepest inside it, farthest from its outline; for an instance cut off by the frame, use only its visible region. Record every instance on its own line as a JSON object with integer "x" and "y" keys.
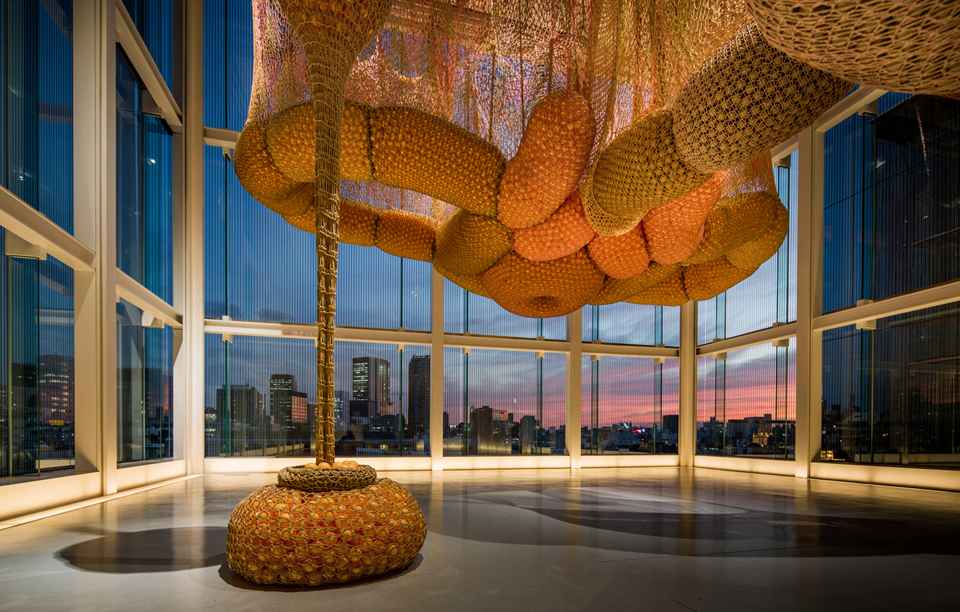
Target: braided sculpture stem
{"x": 327, "y": 108}
{"x": 332, "y": 34}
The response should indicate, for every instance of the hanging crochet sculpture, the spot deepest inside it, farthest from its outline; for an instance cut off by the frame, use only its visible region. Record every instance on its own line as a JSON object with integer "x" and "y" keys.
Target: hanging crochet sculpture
{"x": 544, "y": 153}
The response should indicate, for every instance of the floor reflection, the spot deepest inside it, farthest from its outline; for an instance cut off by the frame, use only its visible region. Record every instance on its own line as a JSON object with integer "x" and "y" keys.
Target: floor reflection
{"x": 154, "y": 550}
{"x": 667, "y": 524}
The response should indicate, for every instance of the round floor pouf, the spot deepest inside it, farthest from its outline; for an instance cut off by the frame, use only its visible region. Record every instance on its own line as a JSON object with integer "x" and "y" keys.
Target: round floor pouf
{"x": 282, "y": 535}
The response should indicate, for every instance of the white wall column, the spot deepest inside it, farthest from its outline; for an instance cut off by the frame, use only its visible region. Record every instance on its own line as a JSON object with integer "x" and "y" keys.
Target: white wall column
{"x": 436, "y": 370}
{"x": 192, "y": 353}
{"x": 95, "y": 206}
{"x": 809, "y": 298}
{"x": 687, "y": 442}
{"x": 181, "y": 421}
{"x": 573, "y": 387}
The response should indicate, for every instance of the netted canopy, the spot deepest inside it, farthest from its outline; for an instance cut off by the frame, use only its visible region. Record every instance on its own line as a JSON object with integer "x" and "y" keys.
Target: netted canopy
{"x": 571, "y": 149}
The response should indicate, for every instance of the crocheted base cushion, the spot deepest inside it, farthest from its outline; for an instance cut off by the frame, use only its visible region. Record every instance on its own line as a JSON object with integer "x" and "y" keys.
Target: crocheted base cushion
{"x": 326, "y": 479}
{"x": 281, "y": 535}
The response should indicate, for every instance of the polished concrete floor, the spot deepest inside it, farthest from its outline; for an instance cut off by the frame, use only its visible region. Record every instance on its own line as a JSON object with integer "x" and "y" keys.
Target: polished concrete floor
{"x": 614, "y": 539}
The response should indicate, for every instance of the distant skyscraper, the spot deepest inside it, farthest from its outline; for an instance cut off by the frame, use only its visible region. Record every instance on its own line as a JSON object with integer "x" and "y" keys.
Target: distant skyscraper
{"x": 299, "y": 408}
{"x": 418, "y": 407}
{"x": 671, "y": 422}
{"x": 56, "y": 384}
{"x": 488, "y": 430}
{"x": 246, "y": 405}
{"x": 528, "y": 434}
{"x": 282, "y": 388}
{"x": 371, "y": 383}
{"x": 340, "y": 417}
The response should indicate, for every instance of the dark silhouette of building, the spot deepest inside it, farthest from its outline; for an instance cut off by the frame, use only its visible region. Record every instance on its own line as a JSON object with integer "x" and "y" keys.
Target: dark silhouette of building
{"x": 56, "y": 387}
{"x": 299, "y": 408}
{"x": 371, "y": 383}
{"x": 282, "y": 388}
{"x": 528, "y": 434}
{"x": 488, "y": 430}
{"x": 246, "y": 405}
{"x": 418, "y": 404}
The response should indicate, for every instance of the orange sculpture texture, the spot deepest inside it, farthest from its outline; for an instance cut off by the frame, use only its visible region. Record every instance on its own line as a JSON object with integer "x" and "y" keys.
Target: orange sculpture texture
{"x": 282, "y": 535}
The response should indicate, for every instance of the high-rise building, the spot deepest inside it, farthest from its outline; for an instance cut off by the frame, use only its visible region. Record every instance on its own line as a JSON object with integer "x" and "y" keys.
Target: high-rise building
{"x": 488, "y": 430}
{"x": 282, "y": 388}
{"x": 56, "y": 384}
{"x": 418, "y": 404}
{"x": 371, "y": 384}
{"x": 246, "y": 405}
{"x": 340, "y": 416}
{"x": 528, "y": 434}
{"x": 299, "y": 408}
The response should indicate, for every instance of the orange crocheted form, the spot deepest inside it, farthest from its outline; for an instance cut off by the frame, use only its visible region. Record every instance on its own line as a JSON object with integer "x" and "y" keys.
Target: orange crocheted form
{"x": 582, "y": 145}
{"x": 287, "y": 536}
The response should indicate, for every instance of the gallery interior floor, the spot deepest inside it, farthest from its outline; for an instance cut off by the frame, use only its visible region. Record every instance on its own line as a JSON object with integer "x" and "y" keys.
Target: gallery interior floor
{"x": 616, "y": 539}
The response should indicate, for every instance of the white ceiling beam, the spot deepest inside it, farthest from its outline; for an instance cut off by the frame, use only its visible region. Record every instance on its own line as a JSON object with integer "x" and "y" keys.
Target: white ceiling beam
{"x": 36, "y": 228}
{"x": 136, "y": 50}
{"x": 771, "y": 335}
{"x": 862, "y": 97}
{"x": 147, "y": 301}
{"x": 217, "y": 137}
{"x": 937, "y": 295}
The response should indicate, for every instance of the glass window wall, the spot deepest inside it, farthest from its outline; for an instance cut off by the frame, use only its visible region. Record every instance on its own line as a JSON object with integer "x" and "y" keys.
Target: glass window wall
{"x": 261, "y": 398}
{"x": 503, "y": 403}
{"x": 891, "y": 188}
{"x": 747, "y": 403}
{"x": 639, "y": 324}
{"x": 144, "y": 189}
{"x": 892, "y": 395}
{"x": 36, "y": 366}
{"x": 629, "y": 405}
{"x": 144, "y": 387}
{"x": 36, "y": 105}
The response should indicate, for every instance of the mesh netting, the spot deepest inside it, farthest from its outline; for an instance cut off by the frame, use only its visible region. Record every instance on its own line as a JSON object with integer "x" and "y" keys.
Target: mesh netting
{"x": 748, "y": 98}
{"x": 752, "y": 254}
{"x": 704, "y": 281}
{"x": 668, "y": 292}
{"x": 642, "y": 170}
{"x": 619, "y": 290}
{"x": 907, "y": 46}
{"x": 553, "y": 153}
{"x": 674, "y": 230}
{"x": 543, "y": 288}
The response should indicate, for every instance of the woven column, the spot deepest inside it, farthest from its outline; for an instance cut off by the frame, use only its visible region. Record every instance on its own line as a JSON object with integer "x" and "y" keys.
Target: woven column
{"x": 332, "y": 35}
